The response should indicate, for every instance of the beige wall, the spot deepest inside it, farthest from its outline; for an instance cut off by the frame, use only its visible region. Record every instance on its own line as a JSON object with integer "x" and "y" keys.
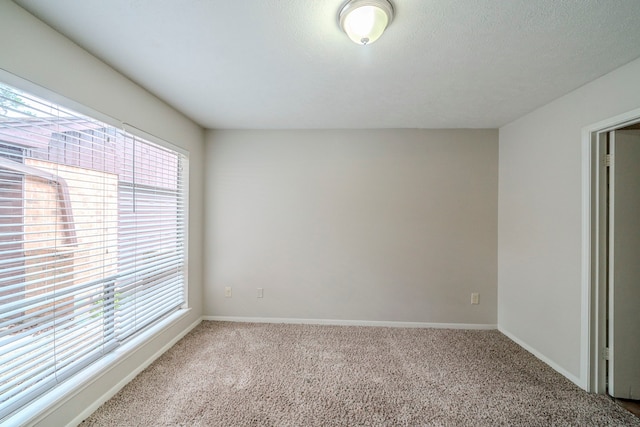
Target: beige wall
{"x": 33, "y": 51}
{"x": 378, "y": 225}
{"x": 540, "y": 229}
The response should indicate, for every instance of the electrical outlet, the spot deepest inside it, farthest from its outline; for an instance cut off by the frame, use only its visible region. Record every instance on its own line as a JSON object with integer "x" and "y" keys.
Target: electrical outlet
{"x": 475, "y": 298}
{"x": 260, "y": 293}
{"x": 227, "y": 292}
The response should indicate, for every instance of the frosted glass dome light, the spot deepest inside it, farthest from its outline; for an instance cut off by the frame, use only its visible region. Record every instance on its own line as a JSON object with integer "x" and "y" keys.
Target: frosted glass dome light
{"x": 364, "y": 21}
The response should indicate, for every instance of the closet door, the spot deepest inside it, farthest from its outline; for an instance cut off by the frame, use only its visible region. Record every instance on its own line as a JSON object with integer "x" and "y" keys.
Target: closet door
{"x": 624, "y": 265}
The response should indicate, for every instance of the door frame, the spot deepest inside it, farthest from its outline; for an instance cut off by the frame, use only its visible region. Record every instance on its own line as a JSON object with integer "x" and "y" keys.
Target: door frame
{"x": 594, "y": 253}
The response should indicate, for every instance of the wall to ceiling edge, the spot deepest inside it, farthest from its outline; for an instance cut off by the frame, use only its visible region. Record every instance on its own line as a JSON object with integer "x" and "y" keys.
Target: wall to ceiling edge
{"x": 36, "y": 53}
{"x": 540, "y": 271}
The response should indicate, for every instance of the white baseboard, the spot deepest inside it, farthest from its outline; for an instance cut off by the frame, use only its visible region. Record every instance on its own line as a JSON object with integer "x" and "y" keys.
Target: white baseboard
{"x": 124, "y": 381}
{"x": 577, "y": 381}
{"x": 391, "y": 324}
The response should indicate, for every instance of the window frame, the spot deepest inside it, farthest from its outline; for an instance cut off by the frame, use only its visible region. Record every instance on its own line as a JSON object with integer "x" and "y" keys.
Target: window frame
{"x": 47, "y": 402}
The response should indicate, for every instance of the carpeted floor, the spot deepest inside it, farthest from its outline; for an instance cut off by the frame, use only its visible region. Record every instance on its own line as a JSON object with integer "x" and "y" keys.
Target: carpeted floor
{"x": 242, "y": 374}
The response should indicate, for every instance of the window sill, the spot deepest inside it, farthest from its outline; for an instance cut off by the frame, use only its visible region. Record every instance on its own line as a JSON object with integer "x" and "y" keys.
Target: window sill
{"x": 46, "y": 404}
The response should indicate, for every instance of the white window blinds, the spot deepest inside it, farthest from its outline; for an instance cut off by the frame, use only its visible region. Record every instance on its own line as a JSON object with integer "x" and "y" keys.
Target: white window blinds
{"x": 92, "y": 241}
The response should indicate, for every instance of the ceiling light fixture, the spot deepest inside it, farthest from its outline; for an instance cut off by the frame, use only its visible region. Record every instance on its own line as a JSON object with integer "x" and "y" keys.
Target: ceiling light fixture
{"x": 364, "y": 21}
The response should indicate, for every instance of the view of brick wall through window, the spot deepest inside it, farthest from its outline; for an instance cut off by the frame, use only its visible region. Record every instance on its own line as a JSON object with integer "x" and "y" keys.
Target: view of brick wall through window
{"x": 92, "y": 194}
{"x": 95, "y": 198}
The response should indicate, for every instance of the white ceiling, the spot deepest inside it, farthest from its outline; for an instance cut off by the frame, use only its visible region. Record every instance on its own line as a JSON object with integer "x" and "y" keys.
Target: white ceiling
{"x": 285, "y": 64}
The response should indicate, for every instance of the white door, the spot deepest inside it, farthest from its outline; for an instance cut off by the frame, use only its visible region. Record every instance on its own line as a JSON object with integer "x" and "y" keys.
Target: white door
{"x": 624, "y": 264}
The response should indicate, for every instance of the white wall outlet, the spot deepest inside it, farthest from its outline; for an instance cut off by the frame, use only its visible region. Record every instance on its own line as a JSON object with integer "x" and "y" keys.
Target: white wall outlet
{"x": 227, "y": 292}
{"x": 475, "y": 298}
{"x": 260, "y": 293}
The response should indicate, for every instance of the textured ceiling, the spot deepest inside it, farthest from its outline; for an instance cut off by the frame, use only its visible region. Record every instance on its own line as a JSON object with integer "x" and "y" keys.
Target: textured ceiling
{"x": 266, "y": 64}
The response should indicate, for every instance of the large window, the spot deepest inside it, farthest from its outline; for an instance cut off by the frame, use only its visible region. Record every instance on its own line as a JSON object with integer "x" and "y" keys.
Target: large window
{"x": 92, "y": 241}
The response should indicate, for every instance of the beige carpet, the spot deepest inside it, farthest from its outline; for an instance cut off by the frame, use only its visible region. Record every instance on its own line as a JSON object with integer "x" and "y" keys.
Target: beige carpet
{"x": 235, "y": 374}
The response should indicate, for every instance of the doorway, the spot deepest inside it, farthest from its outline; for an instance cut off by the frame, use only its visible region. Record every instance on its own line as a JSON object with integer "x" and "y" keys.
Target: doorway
{"x": 611, "y": 299}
